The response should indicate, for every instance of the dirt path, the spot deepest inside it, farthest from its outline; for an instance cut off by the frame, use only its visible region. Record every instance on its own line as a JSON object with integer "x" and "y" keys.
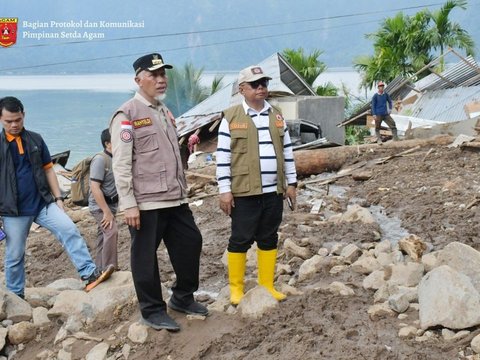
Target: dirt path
{"x": 432, "y": 196}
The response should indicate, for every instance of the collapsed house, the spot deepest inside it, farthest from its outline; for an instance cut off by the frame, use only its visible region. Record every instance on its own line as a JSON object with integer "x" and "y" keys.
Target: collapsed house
{"x": 440, "y": 103}
{"x": 311, "y": 119}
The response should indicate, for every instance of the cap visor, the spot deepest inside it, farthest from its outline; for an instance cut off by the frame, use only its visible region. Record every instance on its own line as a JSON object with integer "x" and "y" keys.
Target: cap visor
{"x": 156, "y": 67}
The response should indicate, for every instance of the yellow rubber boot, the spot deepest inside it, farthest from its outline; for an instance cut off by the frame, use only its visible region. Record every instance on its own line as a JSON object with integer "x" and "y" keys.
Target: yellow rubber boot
{"x": 266, "y": 271}
{"x": 236, "y": 273}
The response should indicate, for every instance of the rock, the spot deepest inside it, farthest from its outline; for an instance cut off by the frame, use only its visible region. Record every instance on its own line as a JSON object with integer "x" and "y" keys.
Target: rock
{"x": 66, "y": 284}
{"x": 339, "y": 288}
{"x": 222, "y": 302}
{"x": 336, "y": 248}
{"x": 45, "y": 355}
{"x": 64, "y": 355}
{"x": 73, "y": 324}
{"x": 461, "y": 258}
{"x": 382, "y": 294}
{"x": 256, "y": 302}
{"x": 351, "y": 253}
{"x": 354, "y": 213}
{"x": 16, "y": 309}
{"x": 375, "y": 280}
{"x": 407, "y": 332}
{"x": 323, "y": 252}
{"x": 3, "y": 336}
{"x": 430, "y": 261}
{"x": 98, "y": 352}
{"x": 413, "y": 246}
{"x": 448, "y": 298}
{"x": 61, "y": 335}
{"x": 386, "y": 259}
{"x": 23, "y": 332}
{"x": 383, "y": 247}
{"x": 379, "y": 311}
{"x": 67, "y": 344}
{"x": 98, "y": 305}
{"x": 294, "y": 250}
{"x": 195, "y": 317}
{"x": 337, "y": 269}
{"x": 362, "y": 175}
{"x": 289, "y": 290}
{"x": 461, "y": 335}
{"x": 365, "y": 264}
{"x": 402, "y": 316}
{"x": 41, "y": 296}
{"x": 284, "y": 269}
{"x": 408, "y": 274}
{"x": 126, "y": 351}
{"x": 447, "y": 334}
{"x": 310, "y": 267}
{"x": 138, "y": 333}
{"x": 399, "y": 303}
{"x": 475, "y": 344}
{"x": 40, "y": 317}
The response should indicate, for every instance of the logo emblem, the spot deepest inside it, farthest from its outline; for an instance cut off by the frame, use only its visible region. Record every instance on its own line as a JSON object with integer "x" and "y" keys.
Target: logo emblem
{"x": 8, "y": 31}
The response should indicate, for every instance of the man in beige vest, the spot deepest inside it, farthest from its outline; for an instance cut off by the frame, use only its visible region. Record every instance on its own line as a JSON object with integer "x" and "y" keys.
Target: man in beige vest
{"x": 152, "y": 191}
{"x": 255, "y": 171}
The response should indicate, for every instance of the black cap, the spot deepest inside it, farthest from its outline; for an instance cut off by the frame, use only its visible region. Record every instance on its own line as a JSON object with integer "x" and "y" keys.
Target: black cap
{"x": 150, "y": 62}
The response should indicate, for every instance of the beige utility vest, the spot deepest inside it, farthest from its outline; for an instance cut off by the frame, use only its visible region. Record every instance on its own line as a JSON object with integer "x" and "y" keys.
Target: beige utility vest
{"x": 157, "y": 168}
{"x": 245, "y": 160}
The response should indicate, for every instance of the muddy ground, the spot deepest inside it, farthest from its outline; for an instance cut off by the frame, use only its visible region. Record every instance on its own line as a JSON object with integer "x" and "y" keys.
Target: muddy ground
{"x": 431, "y": 192}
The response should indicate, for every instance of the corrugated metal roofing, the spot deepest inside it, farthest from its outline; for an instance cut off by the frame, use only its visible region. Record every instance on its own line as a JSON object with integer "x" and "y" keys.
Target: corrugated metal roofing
{"x": 432, "y": 103}
{"x": 446, "y": 105}
{"x": 285, "y": 81}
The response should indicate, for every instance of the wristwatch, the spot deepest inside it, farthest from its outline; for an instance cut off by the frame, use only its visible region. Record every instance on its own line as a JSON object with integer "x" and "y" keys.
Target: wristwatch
{"x": 59, "y": 198}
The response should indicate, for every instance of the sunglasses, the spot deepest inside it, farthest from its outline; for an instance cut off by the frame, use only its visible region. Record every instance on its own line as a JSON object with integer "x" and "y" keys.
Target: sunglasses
{"x": 255, "y": 84}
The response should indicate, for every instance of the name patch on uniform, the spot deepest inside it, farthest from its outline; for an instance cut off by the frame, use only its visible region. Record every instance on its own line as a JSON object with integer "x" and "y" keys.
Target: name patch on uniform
{"x": 141, "y": 123}
{"x": 236, "y": 126}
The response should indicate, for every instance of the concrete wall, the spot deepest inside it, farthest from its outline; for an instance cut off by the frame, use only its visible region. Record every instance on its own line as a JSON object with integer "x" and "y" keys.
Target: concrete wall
{"x": 327, "y": 111}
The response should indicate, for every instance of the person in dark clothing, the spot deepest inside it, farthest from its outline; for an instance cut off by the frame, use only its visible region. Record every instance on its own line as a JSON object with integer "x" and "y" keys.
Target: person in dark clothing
{"x": 381, "y": 108}
{"x": 30, "y": 193}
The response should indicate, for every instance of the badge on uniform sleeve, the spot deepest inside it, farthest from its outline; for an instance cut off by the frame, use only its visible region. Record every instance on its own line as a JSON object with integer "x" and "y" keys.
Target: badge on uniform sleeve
{"x": 126, "y": 135}
{"x": 279, "y": 121}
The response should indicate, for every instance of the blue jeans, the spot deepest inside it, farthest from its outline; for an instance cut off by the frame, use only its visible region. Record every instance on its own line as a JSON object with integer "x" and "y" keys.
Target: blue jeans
{"x": 59, "y": 224}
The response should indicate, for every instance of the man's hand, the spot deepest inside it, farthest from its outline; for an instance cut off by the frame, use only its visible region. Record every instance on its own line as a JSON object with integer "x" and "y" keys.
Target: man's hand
{"x": 132, "y": 217}
{"x": 226, "y": 202}
{"x": 292, "y": 195}
{"x": 108, "y": 219}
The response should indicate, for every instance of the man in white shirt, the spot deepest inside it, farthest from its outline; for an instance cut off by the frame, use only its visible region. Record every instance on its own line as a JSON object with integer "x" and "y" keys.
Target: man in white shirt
{"x": 255, "y": 171}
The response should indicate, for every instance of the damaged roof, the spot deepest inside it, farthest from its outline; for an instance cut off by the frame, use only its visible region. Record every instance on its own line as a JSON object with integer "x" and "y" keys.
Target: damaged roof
{"x": 285, "y": 81}
{"x": 438, "y": 96}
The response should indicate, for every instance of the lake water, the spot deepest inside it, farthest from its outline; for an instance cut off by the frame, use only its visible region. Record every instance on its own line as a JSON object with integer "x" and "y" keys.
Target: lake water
{"x": 69, "y": 119}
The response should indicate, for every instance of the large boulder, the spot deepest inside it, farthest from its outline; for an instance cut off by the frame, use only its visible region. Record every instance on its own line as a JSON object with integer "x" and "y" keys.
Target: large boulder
{"x": 98, "y": 305}
{"x": 310, "y": 267}
{"x": 23, "y": 332}
{"x": 408, "y": 274}
{"x": 16, "y": 308}
{"x": 448, "y": 298}
{"x": 461, "y": 258}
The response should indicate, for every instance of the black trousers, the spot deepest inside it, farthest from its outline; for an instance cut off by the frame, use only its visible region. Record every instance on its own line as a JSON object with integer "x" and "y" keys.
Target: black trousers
{"x": 183, "y": 241}
{"x": 256, "y": 218}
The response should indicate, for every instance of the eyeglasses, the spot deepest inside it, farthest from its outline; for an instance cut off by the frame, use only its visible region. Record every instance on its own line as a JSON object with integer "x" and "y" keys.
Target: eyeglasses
{"x": 255, "y": 84}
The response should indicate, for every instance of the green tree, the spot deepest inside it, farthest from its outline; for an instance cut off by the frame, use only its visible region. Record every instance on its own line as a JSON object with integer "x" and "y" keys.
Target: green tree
{"x": 446, "y": 33}
{"x": 309, "y": 66}
{"x": 185, "y": 89}
{"x": 404, "y": 44}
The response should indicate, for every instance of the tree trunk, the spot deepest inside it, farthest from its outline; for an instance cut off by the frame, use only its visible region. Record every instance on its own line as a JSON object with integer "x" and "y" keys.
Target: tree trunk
{"x": 312, "y": 162}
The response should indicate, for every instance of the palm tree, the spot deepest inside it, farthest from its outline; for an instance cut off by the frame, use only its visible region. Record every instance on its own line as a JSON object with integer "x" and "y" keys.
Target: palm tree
{"x": 185, "y": 90}
{"x": 446, "y": 33}
{"x": 310, "y": 67}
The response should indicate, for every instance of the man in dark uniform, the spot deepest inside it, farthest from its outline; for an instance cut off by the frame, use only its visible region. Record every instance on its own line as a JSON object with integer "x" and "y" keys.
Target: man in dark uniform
{"x": 152, "y": 191}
